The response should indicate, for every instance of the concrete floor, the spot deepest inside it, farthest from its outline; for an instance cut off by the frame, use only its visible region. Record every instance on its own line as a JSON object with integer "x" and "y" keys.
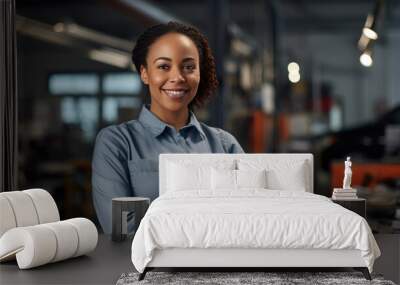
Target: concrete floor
{"x": 389, "y": 262}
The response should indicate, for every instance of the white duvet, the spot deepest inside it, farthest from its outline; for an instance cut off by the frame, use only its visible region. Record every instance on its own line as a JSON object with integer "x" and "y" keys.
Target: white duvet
{"x": 250, "y": 219}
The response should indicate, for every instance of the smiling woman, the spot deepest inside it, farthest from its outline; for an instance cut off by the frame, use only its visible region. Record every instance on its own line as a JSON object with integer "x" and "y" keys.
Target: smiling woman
{"x": 176, "y": 63}
{"x": 173, "y": 78}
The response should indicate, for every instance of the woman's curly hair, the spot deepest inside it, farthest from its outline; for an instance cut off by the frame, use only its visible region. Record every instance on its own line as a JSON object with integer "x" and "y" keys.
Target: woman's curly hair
{"x": 208, "y": 77}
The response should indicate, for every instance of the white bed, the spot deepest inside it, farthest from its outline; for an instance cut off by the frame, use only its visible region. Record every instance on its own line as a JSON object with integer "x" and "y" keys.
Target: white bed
{"x": 280, "y": 224}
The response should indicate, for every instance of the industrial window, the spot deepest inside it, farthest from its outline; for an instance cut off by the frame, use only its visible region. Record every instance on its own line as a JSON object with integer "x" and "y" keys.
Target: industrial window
{"x": 82, "y": 111}
{"x": 113, "y": 107}
{"x": 121, "y": 83}
{"x": 86, "y": 99}
{"x": 74, "y": 84}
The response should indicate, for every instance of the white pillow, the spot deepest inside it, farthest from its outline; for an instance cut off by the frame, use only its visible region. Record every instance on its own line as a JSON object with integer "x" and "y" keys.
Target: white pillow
{"x": 226, "y": 179}
{"x": 291, "y": 179}
{"x": 193, "y": 175}
{"x": 251, "y": 178}
{"x": 281, "y": 174}
{"x": 223, "y": 179}
{"x": 183, "y": 178}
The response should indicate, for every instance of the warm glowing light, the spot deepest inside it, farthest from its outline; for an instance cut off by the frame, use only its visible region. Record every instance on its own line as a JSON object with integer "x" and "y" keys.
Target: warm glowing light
{"x": 110, "y": 57}
{"x": 366, "y": 59}
{"x": 294, "y": 77}
{"x": 363, "y": 42}
{"x": 59, "y": 27}
{"x": 293, "y": 67}
{"x": 370, "y": 33}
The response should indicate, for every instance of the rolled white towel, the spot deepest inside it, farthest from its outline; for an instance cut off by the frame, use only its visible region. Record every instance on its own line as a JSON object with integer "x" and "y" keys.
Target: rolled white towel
{"x": 23, "y": 208}
{"x": 7, "y": 218}
{"x": 33, "y": 246}
{"x": 45, "y": 205}
{"x": 66, "y": 238}
{"x": 40, "y": 244}
{"x": 26, "y": 208}
{"x": 87, "y": 233}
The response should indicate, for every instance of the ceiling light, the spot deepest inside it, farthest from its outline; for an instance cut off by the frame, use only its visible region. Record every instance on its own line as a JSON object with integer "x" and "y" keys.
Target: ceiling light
{"x": 363, "y": 42}
{"x": 114, "y": 58}
{"x": 369, "y": 22}
{"x": 370, "y": 26}
{"x": 293, "y": 67}
{"x": 366, "y": 58}
{"x": 370, "y": 33}
{"x": 294, "y": 77}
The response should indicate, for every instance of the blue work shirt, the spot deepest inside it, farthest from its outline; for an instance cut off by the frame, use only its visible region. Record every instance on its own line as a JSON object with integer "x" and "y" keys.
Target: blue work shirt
{"x": 125, "y": 158}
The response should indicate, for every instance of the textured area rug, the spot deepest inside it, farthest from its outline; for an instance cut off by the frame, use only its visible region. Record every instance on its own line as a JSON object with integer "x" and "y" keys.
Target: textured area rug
{"x": 230, "y": 278}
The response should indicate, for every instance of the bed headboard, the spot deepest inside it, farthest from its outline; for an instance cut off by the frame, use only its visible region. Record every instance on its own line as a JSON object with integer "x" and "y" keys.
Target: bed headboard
{"x": 289, "y": 157}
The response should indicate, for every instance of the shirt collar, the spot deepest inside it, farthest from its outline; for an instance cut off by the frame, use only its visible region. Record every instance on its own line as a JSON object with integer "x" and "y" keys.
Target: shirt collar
{"x": 193, "y": 122}
{"x": 157, "y": 127}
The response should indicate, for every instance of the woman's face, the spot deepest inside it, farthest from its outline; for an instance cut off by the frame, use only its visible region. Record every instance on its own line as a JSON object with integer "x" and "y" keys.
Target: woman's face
{"x": 172, "y": 73}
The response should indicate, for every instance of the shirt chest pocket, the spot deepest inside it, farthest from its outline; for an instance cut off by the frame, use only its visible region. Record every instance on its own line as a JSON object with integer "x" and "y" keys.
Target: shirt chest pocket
{"x": 144, "y": 177}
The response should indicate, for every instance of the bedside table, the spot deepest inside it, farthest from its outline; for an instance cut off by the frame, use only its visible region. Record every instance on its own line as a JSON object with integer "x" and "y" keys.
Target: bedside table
{"x": 358, "y": 205}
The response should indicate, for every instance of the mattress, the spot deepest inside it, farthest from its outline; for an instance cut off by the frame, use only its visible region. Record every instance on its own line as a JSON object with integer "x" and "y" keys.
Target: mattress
{"x": 251, "y": 218}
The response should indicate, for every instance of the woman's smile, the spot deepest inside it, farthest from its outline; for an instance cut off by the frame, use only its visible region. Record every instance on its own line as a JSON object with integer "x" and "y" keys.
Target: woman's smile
{"x": 176, "y": 93}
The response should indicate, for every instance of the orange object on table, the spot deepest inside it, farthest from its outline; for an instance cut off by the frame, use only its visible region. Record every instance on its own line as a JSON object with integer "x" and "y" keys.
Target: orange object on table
{"x": 370, "y": 173}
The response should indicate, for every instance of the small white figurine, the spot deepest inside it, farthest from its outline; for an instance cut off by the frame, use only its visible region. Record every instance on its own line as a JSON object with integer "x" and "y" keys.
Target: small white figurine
{"x": 347, "y": 174}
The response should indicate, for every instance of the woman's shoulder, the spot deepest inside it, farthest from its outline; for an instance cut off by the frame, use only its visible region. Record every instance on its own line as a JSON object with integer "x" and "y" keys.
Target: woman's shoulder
{"x": 227, "y": 139}
{"x": 117, "y": 133}
{"x": 225, "y": 136}
{"x": 214, "y": 131}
